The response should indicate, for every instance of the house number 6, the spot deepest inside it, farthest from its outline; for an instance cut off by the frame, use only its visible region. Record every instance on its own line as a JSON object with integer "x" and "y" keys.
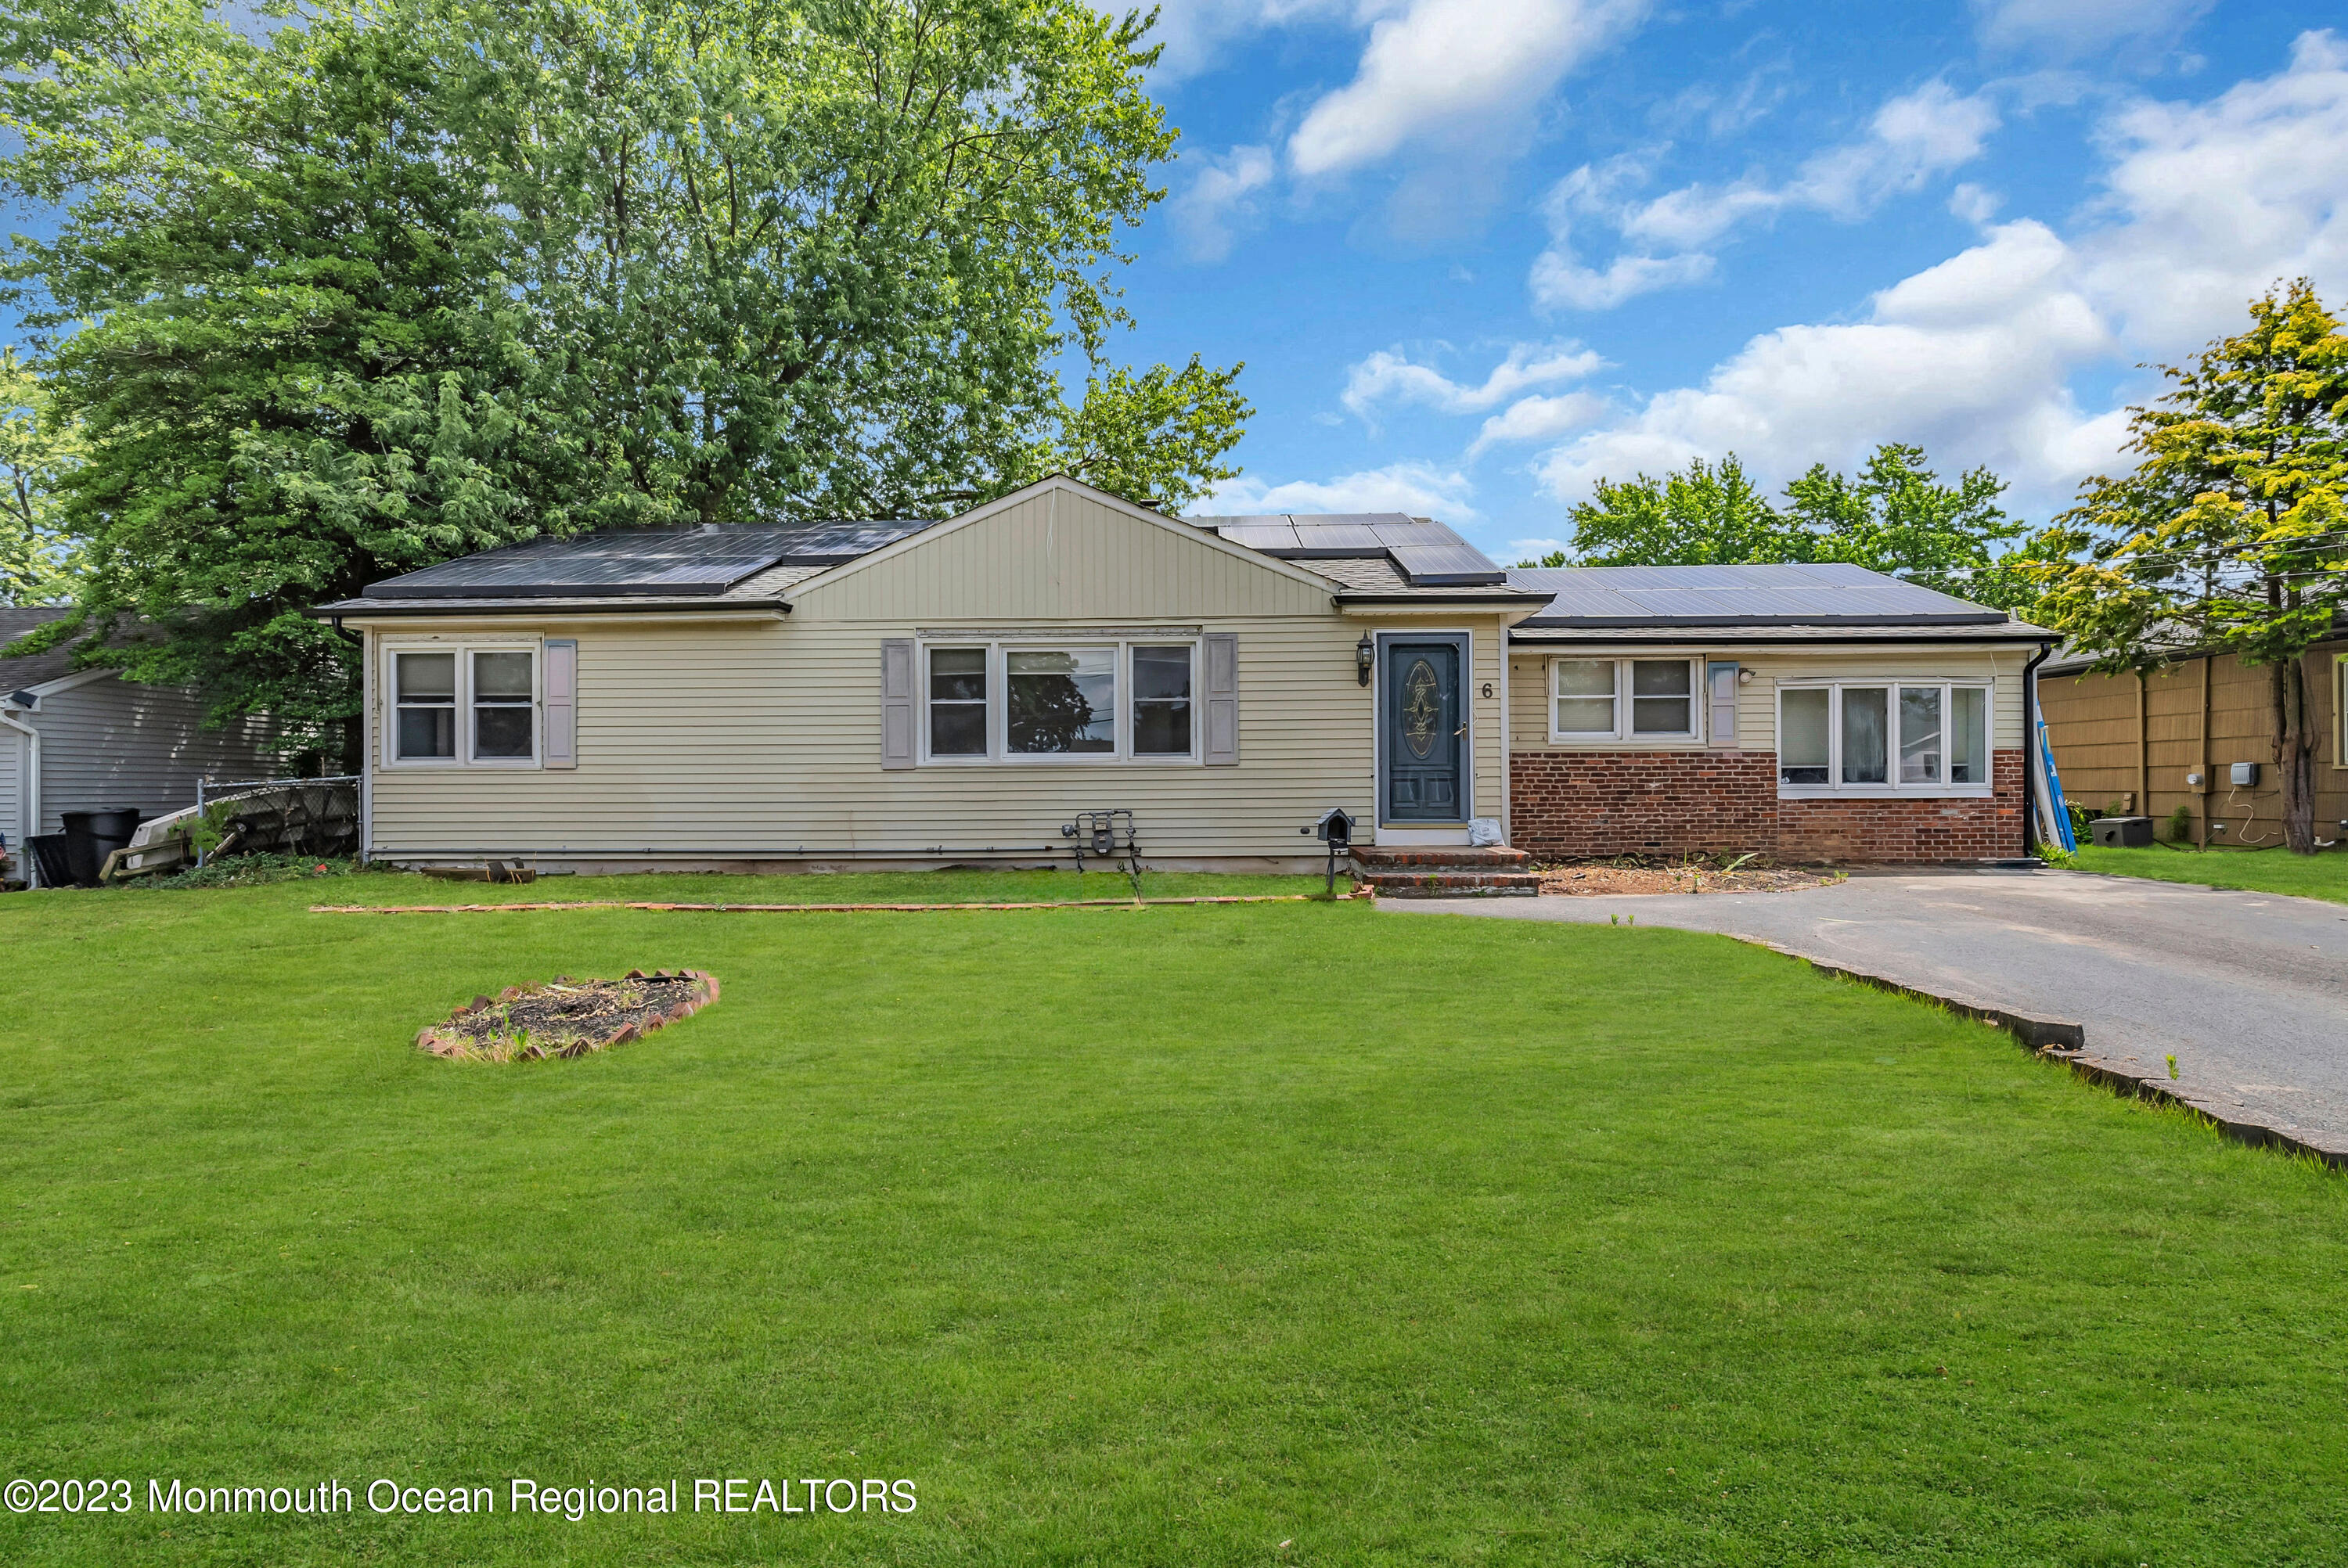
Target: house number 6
{"x": 1488, "y": 688}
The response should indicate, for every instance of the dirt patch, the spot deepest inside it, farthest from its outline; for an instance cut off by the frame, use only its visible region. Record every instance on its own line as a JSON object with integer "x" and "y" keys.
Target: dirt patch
{"x": 1611, "y": 876}
{"x": 567, "y": 1018}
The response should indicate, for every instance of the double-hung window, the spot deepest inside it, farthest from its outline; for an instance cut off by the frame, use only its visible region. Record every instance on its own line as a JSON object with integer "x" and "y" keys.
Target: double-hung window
{"x": 1883, "y": 737}
{"x": 463, "y": 705}
{"x": 1049, "y": 702}
{"x": 1641, "y": 700}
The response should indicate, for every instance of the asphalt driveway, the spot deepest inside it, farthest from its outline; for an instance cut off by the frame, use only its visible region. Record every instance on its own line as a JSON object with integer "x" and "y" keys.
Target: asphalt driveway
{"x": 2248, "y": 990}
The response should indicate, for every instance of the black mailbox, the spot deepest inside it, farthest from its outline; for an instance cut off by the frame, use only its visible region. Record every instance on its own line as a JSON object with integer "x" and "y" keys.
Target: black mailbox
{"x": 1334, "y": 829}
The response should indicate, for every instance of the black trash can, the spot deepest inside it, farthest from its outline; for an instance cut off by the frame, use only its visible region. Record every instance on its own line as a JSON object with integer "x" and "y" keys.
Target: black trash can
{"x": 92, "y": 835}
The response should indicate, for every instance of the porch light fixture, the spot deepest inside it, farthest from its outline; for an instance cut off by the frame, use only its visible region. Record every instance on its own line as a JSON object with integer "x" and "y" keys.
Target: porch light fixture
{"x": 1366, "y": 653}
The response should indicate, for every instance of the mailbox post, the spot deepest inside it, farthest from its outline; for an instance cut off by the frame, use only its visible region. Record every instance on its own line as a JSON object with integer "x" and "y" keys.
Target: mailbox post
{"x": 1336, "y": 829}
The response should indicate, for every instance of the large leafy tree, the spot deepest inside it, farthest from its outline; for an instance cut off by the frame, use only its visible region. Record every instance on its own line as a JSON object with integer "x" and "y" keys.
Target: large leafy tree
{"x": 2230, "y": 533}
{"x": 396, "y": 280}
{"x": 39, "y": 562}
{"x": 1894, "y": 515}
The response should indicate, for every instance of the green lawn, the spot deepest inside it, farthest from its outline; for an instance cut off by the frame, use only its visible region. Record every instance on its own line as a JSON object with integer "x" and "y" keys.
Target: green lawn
{"x": 2319, "y": 875}
{"x": 1262, "y": 1234}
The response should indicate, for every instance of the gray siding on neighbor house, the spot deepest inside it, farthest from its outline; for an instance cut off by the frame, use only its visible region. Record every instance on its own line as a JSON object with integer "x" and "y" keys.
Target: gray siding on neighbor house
{"x": 108, "y": 744}
{"x": 13, "y": 747}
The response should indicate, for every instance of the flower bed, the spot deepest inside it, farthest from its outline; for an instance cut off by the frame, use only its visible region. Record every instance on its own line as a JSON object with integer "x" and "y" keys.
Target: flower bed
{"x": 567, "y": 1018}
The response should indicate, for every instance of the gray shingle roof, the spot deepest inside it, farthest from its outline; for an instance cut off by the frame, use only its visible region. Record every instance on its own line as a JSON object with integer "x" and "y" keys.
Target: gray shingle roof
{"x": 1824, "y": 595}
{"x": 652, "y": 562}
{"x": 33, "y": 670}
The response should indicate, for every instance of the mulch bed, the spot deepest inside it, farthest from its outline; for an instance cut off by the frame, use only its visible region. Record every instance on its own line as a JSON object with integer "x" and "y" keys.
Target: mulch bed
{"x": 567, "y": 1018}
{"x": 1613, "y": 877}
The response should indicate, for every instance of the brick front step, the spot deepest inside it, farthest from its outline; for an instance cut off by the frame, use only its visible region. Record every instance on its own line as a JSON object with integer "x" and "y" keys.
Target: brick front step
{"x": 1442, "y": 883}
{"x": 1437, "y": 857}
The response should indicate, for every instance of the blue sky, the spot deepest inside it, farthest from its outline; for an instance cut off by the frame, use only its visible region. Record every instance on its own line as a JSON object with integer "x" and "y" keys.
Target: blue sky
{"x": 1477, "y": 253}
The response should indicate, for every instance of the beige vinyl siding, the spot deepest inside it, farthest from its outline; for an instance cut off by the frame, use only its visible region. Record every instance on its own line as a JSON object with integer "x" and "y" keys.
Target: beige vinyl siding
{"x": 1060, "y": 556}
{"x": 109, "y": 744}
{"x": 1756, "y": 699}
{"x": 742, "y": 739}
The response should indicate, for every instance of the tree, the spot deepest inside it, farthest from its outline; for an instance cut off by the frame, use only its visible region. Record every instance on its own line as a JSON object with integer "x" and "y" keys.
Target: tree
{"x": 1894, "y": 517}
{"x": 2231, "y": 534}
{"x": 1704, "y": 516}
{"x": 400, "y": 279}
{"x": 38, "y": 560}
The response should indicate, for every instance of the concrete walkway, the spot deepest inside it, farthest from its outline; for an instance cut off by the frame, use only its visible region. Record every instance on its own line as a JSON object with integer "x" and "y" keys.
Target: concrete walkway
{"x": 2249, "y": 990}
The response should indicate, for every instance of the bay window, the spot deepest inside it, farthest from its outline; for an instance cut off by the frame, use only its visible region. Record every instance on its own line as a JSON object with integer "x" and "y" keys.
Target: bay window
{"x": 1024, "y": 702}
{"x": 1623, "y": 700}
{"x": 1882, "y": 737}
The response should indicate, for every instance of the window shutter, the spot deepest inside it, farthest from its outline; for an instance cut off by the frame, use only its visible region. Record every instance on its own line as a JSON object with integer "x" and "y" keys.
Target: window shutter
{"x": 562, "y": 703}
{"x": 1222, "y": 649}
{"x": 897, "y": 702}
{"x": 1720, "y": 681}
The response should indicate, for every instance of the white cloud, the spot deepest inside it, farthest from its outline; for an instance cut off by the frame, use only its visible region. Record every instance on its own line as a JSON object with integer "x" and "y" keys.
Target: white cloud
{"x": 2210, "y": 203}
{"x": 1909, "y": 140}
{"x": 1975, "y": 205}
{"x": 1461, "y": 71}
{"x": 1390, "y": 377}
{"x": 2073, "y": 27}
{"x": 1968, "y": 359}
{"x": 1539, "y": 419}
{"x": 1221, "y": 197}
{"x": 1531, "y": 550}
{"x": 1419, "y": 488}
{"x": 1196, "y": 33}
{"x": 1912, "y": 138}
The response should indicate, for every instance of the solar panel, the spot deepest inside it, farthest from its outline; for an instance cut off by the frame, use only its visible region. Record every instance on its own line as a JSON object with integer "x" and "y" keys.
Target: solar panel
{"x": 672, "y": 561}
{"x": 1743, "y": 595}
{"x": 1445, "y": 566}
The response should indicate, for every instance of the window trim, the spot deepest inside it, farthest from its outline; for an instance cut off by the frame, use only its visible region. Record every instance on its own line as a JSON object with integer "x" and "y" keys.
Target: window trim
{"x": 1623, "y": 736}
{"x": 998, "y": 753}
{"x": 1892, "y": 788}
{"x": 464, "y": 649}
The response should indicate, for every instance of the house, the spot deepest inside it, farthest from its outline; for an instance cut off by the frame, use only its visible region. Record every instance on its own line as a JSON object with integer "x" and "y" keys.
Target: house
{"x": 924, "y": 693}
{"x": 88, "y": 739}
{"x": 2194, "y": 733}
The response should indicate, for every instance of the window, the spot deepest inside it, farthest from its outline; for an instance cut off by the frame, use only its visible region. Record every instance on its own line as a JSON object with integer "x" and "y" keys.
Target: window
{"x": 1881, "y": 738}
{"x": 464, "y": 705}
{"x": 1620, "y": 699}
{"x": 958, "y": 701}
{"x": 426, "y": 685}
{"x": 1021, "y": 702}
{"x": 502, "y": 706}
{"x": 1161, "y": 701}
{"x": 1062, "y": 700}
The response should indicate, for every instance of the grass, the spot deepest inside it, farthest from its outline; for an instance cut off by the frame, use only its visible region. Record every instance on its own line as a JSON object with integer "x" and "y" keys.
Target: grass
{"x": 2323, "y": 875}
{"x": 969, "y": 886}
{"x": 1266, "y": 1234}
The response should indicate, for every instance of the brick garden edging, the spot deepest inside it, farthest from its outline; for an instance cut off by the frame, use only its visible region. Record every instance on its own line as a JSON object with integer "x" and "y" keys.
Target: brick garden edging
{"x": 2065, "y": 1040}
{"x": 821, "y": 908}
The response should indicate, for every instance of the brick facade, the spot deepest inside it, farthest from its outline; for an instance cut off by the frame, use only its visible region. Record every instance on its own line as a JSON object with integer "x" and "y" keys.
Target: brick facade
{"x": 1573, "y": 804}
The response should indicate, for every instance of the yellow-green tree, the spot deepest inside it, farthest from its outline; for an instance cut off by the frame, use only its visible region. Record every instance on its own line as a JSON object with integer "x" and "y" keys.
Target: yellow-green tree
{"x": 38, "y": 560}
{"x": 2231, "y": 534}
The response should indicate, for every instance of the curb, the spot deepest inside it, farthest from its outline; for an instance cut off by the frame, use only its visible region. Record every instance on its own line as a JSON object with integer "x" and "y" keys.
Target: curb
{"x": 2066, "y": 1041}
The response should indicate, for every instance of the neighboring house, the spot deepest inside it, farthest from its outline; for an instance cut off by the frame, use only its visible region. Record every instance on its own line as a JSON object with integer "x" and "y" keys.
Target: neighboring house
{"x": 91, "y": 741}
{"x": 2144, "y": 742}
{"x": 928, "y": 692}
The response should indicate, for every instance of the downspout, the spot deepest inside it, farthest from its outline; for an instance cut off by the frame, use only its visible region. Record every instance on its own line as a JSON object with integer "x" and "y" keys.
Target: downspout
{"x": 2030, "y": 741}
{"x": 31, "y": 796}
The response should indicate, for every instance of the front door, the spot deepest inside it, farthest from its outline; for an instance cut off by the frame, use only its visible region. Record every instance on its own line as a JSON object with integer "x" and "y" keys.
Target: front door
{"x": 1422, "y": 747}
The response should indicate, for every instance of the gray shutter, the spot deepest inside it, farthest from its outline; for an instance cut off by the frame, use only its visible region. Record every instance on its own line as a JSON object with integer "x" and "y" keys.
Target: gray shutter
{"x": 561, "y": 677}
{"x": 897, "y": 702}
{"x": 1222, "y": 699}
{"x": 1720, "y": 685}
